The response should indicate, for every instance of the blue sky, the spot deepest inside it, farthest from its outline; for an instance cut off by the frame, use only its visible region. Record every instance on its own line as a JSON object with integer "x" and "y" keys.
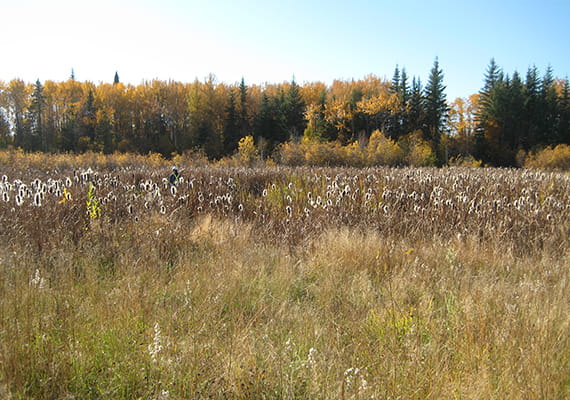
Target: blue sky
{"x": 272, "y": 41}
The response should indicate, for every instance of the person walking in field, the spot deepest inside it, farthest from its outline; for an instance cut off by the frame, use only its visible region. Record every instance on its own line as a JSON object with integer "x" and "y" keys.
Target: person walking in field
{"x": 174, "y": 177}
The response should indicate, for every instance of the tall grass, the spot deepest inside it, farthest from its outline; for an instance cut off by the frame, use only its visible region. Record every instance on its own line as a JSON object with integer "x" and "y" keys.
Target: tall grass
{"x": 244, "y": 283}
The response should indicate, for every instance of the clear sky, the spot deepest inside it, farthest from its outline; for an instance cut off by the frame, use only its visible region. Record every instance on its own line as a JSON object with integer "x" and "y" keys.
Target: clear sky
{"x": 274, "y": 41}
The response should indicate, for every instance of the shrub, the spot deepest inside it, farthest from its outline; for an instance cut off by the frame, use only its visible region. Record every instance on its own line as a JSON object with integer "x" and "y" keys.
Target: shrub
{"x": 465, "y": 161}
{"x": 291, "y": 154}
{"x": 557, "y": 158}
{"x": 383, "y": 151}
{"x": 418, "y": 152}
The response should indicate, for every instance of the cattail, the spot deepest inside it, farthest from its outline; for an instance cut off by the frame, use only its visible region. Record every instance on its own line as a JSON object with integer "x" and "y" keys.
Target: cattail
{"x": 5, "y": 197}
{"x": 173, "y": 190}
{"x": 38, "y": 199}
{"x": 162, "y": 209}
{"x": 19, "y": 200}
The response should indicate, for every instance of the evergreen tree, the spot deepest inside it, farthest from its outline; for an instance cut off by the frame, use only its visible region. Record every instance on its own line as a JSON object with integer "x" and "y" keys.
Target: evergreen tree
{"x": 395, "y": 87}
{"x": 493, "y": 76}
{"x": 398, "y": 122}
{"x": 404, "y": 89}
{"x": 270, "y": 122}
{"x": 532, "y": 109}
{"x": 280, "y": 114}
{"x": 436, "y": 109}
{"x": 564, "y": 107}
{"x": 513, "y": 112}
{"x": 232, "y": 130}
{"x": 116, "y": 78}
{"x": 416, "y": 114}
{"x": 243, "y": 117}
{"x": 487, "y": 127}
{"x": 264, "y": 122}
{"x": 294, "y": 111}
{"x": 36, "y": 111}
{"x": 548, "y": 110}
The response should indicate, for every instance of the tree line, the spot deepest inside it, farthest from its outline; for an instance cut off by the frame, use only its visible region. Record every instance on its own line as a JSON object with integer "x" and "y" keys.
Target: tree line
{"x": 509, "y": 114}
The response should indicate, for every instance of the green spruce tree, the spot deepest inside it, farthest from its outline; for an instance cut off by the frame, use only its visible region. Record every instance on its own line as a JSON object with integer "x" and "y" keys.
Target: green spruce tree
{"x": 232, "y": 130}
{"x": 436, "y": 109}
{"x": 243, "y": 115}
{"x": 294, "y": 111}
{"x": 564, "y": 107}
{"x": 36, "y": 111}
{"x": 416, "y": 110}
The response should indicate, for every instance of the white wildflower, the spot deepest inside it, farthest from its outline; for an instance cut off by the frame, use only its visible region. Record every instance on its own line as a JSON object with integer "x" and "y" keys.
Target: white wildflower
{"x": 312, "y": 358}
{"x": 363, "y": 386}
{"x": 157, "y": 344}
{"x": 37, "y": 281}
{"x": 350, "y": 376}
{"x": 289, "y": 345}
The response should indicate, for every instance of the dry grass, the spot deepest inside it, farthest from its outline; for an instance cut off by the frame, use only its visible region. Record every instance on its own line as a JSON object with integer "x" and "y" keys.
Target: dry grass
{"x": 243, "y": 285}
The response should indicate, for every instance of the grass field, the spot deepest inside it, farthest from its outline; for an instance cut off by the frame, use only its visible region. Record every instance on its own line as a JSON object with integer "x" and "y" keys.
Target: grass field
{"x": 283, "y": 283}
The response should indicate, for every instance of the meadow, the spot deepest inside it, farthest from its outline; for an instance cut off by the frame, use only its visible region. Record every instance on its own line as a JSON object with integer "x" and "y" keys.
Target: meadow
{"x": 281, "y": 283}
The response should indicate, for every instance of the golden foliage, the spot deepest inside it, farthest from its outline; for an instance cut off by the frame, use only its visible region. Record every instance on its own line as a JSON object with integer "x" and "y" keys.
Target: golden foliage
{"x": 247, "y": 151}
{"x": 382, "y": 103}
{"x": 383, "y": 151}
{"x": 557, "y": 158}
